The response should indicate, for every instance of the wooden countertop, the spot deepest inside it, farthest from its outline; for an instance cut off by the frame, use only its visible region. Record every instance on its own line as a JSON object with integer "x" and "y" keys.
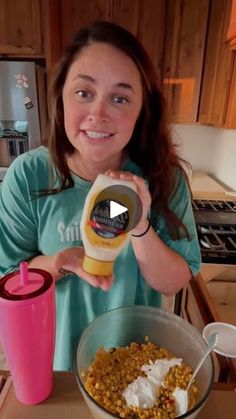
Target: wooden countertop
{"x": 66, "y": 402}
{"x": 204, "y": 186}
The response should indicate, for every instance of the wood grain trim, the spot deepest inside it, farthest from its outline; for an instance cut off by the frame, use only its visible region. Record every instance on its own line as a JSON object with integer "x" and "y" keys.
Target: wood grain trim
{"x": 200, "y": 294}
{"x": 225, "y": 387}
{"x": 53, "y": 28}
{"x": 5, "y": 391}
{"x": 205, "y": 299}
{"x": 231, "y": 116}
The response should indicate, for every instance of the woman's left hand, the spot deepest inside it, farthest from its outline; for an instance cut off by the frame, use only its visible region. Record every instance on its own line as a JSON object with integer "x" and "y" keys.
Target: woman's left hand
{"x": 142, "y": 192}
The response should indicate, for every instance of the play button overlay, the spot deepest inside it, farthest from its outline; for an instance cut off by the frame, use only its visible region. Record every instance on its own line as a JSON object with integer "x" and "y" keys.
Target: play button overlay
{"x": 116, "y": 210}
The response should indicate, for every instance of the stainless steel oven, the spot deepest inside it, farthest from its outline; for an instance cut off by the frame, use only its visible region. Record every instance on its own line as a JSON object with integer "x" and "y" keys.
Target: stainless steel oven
{"x": 216, "y": 228}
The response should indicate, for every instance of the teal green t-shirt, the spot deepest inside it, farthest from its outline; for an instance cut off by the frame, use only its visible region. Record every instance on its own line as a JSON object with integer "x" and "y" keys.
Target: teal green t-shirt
{"x": 32, "y": 225}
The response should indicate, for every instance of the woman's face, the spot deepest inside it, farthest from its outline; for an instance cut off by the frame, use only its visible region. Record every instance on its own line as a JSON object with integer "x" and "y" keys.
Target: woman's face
{"x": 102, "y": 99}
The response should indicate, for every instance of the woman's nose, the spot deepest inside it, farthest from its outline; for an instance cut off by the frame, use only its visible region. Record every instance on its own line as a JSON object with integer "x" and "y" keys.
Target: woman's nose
{"x": 98, "y": 110}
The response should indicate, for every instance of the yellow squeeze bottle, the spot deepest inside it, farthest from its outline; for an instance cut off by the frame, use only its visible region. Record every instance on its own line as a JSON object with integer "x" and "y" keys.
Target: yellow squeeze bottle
{"x": 103, "y": 234}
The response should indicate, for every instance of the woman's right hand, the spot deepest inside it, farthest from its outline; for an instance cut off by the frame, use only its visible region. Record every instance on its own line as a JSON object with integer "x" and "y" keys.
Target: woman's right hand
{"x": 71, "y": 259}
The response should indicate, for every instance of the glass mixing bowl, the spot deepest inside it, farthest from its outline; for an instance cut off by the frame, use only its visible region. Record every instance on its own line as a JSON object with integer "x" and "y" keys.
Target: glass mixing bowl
{"x": 121, "y": 326}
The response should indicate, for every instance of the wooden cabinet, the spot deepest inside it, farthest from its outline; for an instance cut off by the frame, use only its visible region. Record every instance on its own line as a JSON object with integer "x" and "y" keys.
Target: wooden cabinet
{"x": 186, "y": 28}
{"x": 216, "y": 105}
{"x": 146, "y": 20}
{"x": 152, "y": 31}
{"x": 203, "y": 303}
{"x": 224, "y": 295}
{"x": 231, "y": 34}
{"x": 76, "y": 14}
{"x": 191, "y": 58}
{"x": 199, "y": 68}
{"x": 126, "y": 14}
{"x": 185, "y": 39}
{"x": 20, "y": 28}
{"x": 193, "y": 307}
{"x": 231, "y": 106}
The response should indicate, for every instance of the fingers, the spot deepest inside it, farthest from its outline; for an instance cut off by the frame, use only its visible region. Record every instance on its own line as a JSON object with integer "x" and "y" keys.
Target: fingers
{"x": 103, "y": 282}
{"x": 79, "y": 271}
{"x": 115, "y": 174}
{"x": 71, "y": 260}
{"x": 140, "y": 182}
{"x": 143, "y": 190}
{"x": 106, "y": 282}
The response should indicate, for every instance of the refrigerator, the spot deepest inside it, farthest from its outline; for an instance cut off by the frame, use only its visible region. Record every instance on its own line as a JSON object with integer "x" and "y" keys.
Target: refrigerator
{"x": 19, "y": 111}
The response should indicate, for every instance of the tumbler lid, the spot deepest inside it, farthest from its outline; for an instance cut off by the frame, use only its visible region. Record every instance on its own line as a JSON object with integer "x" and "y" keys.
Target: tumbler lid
{"x": 14, "y": 287}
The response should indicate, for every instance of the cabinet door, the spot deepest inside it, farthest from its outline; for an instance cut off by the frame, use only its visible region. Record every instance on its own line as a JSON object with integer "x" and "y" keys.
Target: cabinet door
{"x": 20, "y": 30}
{"x": 231, "y": 110}
{"x": 145, "y": 19}
{"x": 218, "y": 67}
{"x": 183, "y": 61}
{"x": 196, "y": 311}
{"x": 223, "y": 293}
{"x": 76, "y": 14}
{"x": 151, "y": 31}
{"x": 192, "y": 308}
{"x": 126, "y": 14}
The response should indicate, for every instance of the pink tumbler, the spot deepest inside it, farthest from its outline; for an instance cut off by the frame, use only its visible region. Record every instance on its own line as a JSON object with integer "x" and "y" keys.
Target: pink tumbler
{"x": 27, "y": 331}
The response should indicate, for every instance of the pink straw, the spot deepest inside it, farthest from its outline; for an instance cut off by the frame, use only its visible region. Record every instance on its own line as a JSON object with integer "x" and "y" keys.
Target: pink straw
{"x": 24, "y": 273}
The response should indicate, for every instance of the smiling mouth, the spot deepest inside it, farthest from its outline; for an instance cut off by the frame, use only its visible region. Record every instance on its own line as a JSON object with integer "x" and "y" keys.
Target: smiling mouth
{"x": 97, "y": 135}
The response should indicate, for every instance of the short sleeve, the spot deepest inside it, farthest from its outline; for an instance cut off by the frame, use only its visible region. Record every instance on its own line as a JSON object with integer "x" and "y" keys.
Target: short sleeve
{"x": 180, "y": 204}
{"x": 18, "y": 232}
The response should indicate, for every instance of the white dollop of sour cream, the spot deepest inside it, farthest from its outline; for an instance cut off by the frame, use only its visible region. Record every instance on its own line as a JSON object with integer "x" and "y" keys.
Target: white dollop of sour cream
{"x": 181, "y": 401}
{"x": 142, "y": 392}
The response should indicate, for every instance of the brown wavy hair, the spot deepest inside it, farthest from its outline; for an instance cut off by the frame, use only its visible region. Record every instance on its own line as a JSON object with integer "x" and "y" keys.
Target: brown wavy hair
{"x": 150, "y": 146}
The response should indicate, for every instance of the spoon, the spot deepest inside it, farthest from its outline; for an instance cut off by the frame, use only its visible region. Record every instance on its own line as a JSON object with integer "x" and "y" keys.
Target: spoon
{"x": 183, "y": 405}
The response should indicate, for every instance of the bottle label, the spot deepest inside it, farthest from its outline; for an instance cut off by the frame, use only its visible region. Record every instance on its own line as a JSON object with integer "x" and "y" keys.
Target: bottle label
{"x": 103, "y": 224}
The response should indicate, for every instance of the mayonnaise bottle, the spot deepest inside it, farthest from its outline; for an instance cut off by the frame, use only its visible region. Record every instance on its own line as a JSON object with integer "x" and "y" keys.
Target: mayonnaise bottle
{"x": 103, "y": 234}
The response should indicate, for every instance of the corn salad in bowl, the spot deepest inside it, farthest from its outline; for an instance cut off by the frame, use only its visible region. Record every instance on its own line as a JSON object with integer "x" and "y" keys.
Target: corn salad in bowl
{"x": 133, "y": 362}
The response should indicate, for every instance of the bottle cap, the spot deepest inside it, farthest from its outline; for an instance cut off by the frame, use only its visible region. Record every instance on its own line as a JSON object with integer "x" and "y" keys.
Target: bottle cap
{"x": 97, "y": 267}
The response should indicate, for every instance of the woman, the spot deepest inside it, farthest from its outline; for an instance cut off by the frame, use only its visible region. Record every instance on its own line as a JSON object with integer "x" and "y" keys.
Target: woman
{"x": 107, "y": 115}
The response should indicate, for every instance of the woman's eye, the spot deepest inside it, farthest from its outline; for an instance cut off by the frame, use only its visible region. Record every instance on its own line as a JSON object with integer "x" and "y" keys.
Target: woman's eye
{"x": 83, "y": 94}
{"x": 120, "y": 99}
